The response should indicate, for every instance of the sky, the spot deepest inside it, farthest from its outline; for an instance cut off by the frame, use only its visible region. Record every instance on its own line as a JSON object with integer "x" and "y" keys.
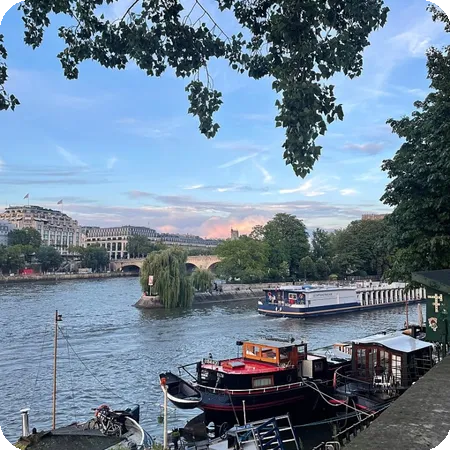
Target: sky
{"x": 119, "y": 147}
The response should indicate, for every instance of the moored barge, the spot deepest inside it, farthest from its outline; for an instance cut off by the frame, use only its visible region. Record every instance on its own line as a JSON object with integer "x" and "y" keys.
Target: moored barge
{"x": 314, "y": 301}
{"x": 267, "y": 380}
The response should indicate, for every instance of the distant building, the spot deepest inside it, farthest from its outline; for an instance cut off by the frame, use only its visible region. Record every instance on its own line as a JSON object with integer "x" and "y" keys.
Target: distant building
{"x": 234, "y": 234}
{"x": 5, "y": 228}
{"x": 115, "y": 239}
{"x": 187, "y": 240}
{"x": 56, "y": 228}
{"x": 373, "y": 216}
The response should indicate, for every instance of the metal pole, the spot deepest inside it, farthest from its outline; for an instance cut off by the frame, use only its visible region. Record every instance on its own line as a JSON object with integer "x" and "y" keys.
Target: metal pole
{"x": 245, "y": 412}
{"x": 54, "y": 371}
{"x": 165, "y": 417}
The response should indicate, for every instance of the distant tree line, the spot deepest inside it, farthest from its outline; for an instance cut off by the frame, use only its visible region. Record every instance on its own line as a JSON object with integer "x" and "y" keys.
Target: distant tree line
{"x": 282, "y": 250}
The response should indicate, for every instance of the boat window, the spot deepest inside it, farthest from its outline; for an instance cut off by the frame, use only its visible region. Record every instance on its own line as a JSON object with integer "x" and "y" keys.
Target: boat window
{"x": 262, "y": 382}
{"x": 397, "y": 368}
{"x": 252, "y": 351}
{"x": 269, "y": 353}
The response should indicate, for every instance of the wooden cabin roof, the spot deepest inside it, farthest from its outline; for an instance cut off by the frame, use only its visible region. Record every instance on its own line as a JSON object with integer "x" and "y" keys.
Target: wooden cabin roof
{"x": 273, "y": 344}
{"x": 435, "y": 279}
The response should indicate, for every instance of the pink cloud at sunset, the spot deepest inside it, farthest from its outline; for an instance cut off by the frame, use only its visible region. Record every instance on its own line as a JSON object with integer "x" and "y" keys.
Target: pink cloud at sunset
{"x": 217, "y": 227}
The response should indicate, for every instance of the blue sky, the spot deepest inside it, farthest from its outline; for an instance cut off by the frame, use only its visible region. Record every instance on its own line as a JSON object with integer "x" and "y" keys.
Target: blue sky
{"x": 120, "y": 148}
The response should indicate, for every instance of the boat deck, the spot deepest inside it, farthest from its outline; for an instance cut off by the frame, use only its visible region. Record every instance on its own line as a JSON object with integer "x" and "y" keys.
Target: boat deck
{"x": 244, "y": 367}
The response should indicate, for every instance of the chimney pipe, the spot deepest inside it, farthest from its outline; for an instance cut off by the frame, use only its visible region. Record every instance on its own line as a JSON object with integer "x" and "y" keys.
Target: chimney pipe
{"x": 25, "y": 422}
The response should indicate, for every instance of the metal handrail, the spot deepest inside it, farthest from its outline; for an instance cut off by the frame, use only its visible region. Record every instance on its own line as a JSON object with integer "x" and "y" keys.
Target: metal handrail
{"x": 251, "y": 391}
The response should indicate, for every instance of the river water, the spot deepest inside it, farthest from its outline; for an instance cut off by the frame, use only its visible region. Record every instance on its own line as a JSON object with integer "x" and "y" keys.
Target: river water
{"x": 112, "y": 352}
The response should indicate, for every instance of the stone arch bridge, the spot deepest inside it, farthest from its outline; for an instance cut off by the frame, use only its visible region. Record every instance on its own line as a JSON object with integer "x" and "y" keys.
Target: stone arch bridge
{"x": 193, "y": 262}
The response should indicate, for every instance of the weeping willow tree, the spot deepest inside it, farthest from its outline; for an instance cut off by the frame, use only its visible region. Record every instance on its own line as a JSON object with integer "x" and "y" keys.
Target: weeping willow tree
{"x": 202, "y": 279}
{"x": 171, "y": 282}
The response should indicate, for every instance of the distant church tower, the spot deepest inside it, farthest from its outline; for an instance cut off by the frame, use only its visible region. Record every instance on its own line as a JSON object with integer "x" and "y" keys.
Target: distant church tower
{"x": 234, "y": 234}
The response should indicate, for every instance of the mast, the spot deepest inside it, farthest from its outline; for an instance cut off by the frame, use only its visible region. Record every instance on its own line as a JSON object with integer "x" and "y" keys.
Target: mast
{"x": 58, "y": 318}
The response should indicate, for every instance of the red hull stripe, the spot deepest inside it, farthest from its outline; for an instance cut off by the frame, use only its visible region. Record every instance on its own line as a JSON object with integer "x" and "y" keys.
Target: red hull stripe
{"x": 211, "y": 407}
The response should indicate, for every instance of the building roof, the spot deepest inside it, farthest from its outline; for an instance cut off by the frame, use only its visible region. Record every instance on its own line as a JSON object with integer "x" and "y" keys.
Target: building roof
{"x": 435, "y": 279}
{"x": 397, "y": 341}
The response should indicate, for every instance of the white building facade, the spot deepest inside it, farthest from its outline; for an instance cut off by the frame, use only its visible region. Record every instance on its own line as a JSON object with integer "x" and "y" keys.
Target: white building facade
{"x": 56, "y": 228}
{"x": 115, "y": 239}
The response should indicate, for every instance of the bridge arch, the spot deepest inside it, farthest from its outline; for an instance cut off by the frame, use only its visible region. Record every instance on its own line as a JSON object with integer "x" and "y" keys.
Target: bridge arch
{"x": 190, "y": 267}
{"x": 131, "y": 268}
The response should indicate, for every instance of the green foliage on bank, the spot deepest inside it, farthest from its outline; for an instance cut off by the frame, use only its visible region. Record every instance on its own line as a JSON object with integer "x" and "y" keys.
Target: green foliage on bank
{"x": 171, "y": 281}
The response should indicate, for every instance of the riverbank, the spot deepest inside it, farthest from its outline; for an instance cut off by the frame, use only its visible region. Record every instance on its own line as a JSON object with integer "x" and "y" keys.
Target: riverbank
{"x": 63, "y": 277}
{"x": 203, "y": 299}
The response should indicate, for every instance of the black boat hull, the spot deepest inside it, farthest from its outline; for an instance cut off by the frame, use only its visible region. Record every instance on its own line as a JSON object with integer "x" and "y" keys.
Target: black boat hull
{"x": 181, "y": 393}
{"x": 302, "y": 403}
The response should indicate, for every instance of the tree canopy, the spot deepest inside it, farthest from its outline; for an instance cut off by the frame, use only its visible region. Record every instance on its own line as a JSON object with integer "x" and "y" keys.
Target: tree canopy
{"x": 93, "y": 257}
{"x": 245, "y": 259}
{"x": 288, "y": 243}
{"x": 25, "y": 236}
{"x": 171, "y": 282}
{"x": 202, "y": 280}
{"x": 420, "y": 186}
{"x": 299, "y": 45}
{"x": 140, "y": 246}
{"x": 49, "y": 258}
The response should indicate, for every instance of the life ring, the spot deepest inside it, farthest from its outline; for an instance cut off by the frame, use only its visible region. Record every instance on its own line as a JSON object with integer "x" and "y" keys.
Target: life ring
{"x": 101, "y": 408}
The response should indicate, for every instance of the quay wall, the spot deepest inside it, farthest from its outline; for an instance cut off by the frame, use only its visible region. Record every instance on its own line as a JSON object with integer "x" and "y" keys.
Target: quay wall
{"x": 201, "y": 299}
{"x": 62, "y": 277}
{"x": 418, "y": 420}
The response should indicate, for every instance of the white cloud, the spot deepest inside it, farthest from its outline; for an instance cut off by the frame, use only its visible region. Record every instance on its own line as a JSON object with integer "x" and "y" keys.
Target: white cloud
{"x": 371, "y": 148}
{"x": 195, "y": 186}
{"x": 2, "y": 164}
{"x": 71, "y": 158}
{"x": 311, "y": 188}
{"x": 348, "y": 191}
{"x": 268, "y": 178}
{"x": 111, "y": 162}
{"x": 239, "y": 160}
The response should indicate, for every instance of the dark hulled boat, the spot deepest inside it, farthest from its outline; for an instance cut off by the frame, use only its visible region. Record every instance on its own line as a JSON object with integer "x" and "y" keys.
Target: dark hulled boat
{"x": 267, "y": 380}
{"x": 181, "y": 393}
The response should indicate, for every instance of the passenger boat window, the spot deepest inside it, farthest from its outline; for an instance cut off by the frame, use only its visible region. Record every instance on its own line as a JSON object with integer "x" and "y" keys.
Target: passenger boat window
{"x": 262, "y": 382}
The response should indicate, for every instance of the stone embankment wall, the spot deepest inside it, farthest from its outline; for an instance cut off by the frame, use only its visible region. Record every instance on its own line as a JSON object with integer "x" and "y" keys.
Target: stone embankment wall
{"x": 62, "y": 277}
{"x": 206, "y": 298}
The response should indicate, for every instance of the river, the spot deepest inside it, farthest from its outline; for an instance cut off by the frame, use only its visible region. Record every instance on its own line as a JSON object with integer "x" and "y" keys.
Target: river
{"x": 114, "y": 352}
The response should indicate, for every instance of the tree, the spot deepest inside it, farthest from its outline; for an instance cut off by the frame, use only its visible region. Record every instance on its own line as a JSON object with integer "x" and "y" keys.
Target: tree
{"x": 25, "y": 236}
{"x": 420, "y": 187}
{"x": 171, "y": 282}
{"x": 307, "y": 267}
{"x": 287, "y": 240}
{"x": 300, "y": 45}
{"x": 93, "y": 257}
{"x": 321, "y": 244}
{"x": 49, "y": 258}
{"x": 244, "y": 259}
{"x": 322, "y": 269}
{"x": 257, "y": 233}
{"x": 201, "y": 251}
{"x": 202, "y": 280}
{"x": 361, "y": 248}
{"x": 11, "y": 259}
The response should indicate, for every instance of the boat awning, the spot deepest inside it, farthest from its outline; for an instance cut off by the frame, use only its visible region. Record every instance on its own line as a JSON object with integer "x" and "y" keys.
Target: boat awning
{"x": 400, "y": 342}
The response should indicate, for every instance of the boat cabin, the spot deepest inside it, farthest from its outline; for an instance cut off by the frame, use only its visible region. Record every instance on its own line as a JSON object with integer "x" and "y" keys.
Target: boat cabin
{"x": 262, "y": 364}
{"x": 396, "y": 360}
{"x": 274, "y": 352}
